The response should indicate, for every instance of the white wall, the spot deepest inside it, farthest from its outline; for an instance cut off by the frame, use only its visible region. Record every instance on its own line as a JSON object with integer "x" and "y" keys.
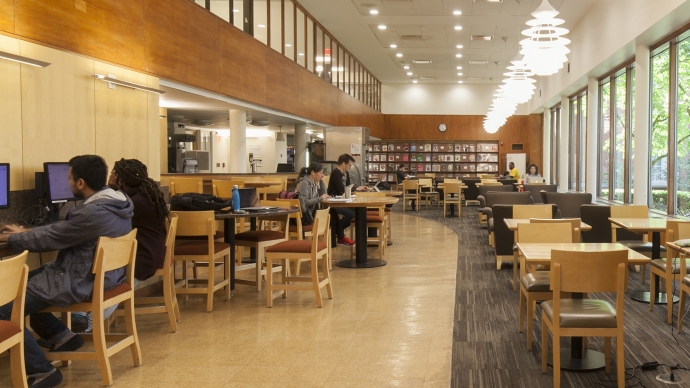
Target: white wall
{"x": 268, "y": 153}
{"x": 221, "y": 147}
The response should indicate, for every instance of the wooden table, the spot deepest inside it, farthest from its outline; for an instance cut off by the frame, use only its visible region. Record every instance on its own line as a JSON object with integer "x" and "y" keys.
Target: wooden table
{"x": 452, "y": 207}
{"x": 644, "y": 226}
{"x": 512, "y": 223}
{"x": 229, "y": 226}
{"x": 576, "y": 358}
{"x": 259, "y": 184}
{"x": 360, "y": 204}
{"x": 5, "y": 250}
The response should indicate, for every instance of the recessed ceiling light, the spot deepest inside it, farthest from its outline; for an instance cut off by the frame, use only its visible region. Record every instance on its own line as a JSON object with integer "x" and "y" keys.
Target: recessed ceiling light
{"x": 301, "y": 54}
{"x": 456, "y": 12}
{"x": 288, "y": 45}
{"x": 406, "y": 67}
{"x": 482, "y": 37}
{"x": 458, "y": 46}
{"x": 398, "y": 55}
{"x": 459, "y": 67}
{"x": 394, "y": 46}
{"x": 459, "y": 73}
{"x": 374, "y": 12}
{"x": 458, "y": 55}
{"x": 458, "y": 27}
{"x": 409, "y": 73}
{"x": 382, "y": 27}
{"x": 459, "y": 82}
{"x": 235, "y": 10}
{"x": 414, "y": 81}
{"x": 261, "y": 26}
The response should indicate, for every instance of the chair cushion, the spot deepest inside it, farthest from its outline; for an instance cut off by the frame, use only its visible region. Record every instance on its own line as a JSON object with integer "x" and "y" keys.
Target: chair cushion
{"x": 199, "y": 248}
{"x": 661, "y": 264}
{"x": 8, "y": 329}
{"x": 371, "y": 219}
{"x": 305, "y": 228}
{"x": 220, "y": 235}
{"x": 537, "y": 281}
{"x": 587, "y": 313}
{"x": 259, "y": 235}
{"x": 295, "y": 246}
{"x": 639, "y": 246}
{"x": 113, "y": 292}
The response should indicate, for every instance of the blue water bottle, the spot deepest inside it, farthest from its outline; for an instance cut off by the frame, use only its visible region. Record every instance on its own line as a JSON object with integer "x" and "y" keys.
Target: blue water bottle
{"x": 235, "y": 199}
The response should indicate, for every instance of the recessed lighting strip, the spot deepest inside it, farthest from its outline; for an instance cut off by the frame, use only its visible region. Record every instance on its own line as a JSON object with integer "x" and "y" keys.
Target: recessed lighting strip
{"x": 127, "y": 84}
{"x": 24, "y": 60}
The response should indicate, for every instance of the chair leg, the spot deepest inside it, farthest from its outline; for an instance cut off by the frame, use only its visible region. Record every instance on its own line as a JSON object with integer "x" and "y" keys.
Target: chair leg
{"x": 620, "y": 361}
{"x": 315, "y": 283}
{"x": 211, "y": 281}
{"x": 652, "y": 290}
{"x": 17, "y": 367}
{"x": 669, "y": 298}
{"x": 327, "y": 275}
{"x": 269, "y": 284}
{"x": 681, "y": 308}
{"x": 131, "y": 329}
{"x": 226, "y": 270}
{"x": 168, "y": 295}
{"x": 285, "y": 272}
{"x": 544, "y": 345}
{"x": 556, "y": 347}
{"x": 515, "y": 271}
{"x": 530, "y": 322}
{"x": 185, "y": 279}
{"x": 607, "y": 354}
{"x": 643, "y": 272}
{"x": 521, "y": 310}
{"x": 100, "y": 345}
{"x": 259, "y": 270}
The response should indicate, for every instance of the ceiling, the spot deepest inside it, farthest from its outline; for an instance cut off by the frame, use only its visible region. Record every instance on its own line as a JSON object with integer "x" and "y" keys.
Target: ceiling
{"x": 425, "y": 30}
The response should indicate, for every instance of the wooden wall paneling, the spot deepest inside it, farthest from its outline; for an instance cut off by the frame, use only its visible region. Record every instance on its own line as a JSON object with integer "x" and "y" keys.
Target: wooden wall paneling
{"x": 11, "y": 113}
{"x": 329, "y": 104}
{"x": 309, "y": 90}
{"x": 182, "y": 43}
{"x": 109, "y": 30}
{"x": 282, "y": 82}
{"x": 536, "y": 140}
{"x": 153, "y": 134}
{"x": 7, "y": 15}
{"x": 58, "y": 117}
{"x": 242, "y": 65}
{"x": 515, "y": 130}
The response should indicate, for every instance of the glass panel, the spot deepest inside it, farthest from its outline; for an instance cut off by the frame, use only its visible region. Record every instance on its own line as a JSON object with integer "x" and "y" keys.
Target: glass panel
{"x": 555, "y": 141}
{"x": 289, "y": 30}
{"x": 605, "y": 140}
{"x": 683, "y": 152}
{"x": 342, "y": 68}
{"x": 583, "y": 141}
{"x": 327, "y": 59}
{"x": 238, "y": 14}
{"x": 261, "y": 21}
{"x": 319, "y": 52}
{"x": 221, "y": 8}
{"x": 632, "y": 134}
{"x": 659, "y": 163}
{"x": 202, "y": 3}
{"x": 276, "y": 26}
{"x": 572, "y": 145}
{"x": 301, "y": 58}
{"x": 619, "y": 138}
{"x": 310, "y": 45}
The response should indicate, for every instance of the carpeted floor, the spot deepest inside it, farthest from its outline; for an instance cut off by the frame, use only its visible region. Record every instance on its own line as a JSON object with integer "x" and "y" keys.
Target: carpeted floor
{"x": 488, "y": 350}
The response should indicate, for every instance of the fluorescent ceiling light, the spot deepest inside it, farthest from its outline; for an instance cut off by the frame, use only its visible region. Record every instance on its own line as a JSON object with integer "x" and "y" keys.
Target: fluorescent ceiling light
{"x": 459, "y": 73}
{"x": 409, "y": 73}
{"x": 394, "y": 46}
{"x": 288, "y": 45}
{"x": 374, "y": 12}
{"x": 24, "y": 60}
{"x": 414, "y": 81}
{"x": 458, "y": 55}
{"x": 478, "y": 62}
{"x": 459, "y": 67}
{"x": 235, "y": 10}
{"x": 382, "y": 27}
{"x": 457, "y": 12}
{"x": 398, "y": 55}
{"x": 422, "y": 61}
{"x": 261, "y": 26}
{"x": 427, "y": 77}
{"x": 458, "y": 28}
{"x": 482, "y": 37}
{"x": 459, "y": 46}
{"x": 126, "y": 84}
{"x": 406, "y": 67}
{"x": 459, "y": 82}
{"x": 301, "y": 54}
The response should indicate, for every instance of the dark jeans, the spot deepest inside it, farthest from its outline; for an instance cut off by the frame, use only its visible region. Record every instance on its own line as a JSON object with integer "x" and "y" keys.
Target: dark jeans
{"x": 338, "y": 225}
{"x": 46, "y": 325}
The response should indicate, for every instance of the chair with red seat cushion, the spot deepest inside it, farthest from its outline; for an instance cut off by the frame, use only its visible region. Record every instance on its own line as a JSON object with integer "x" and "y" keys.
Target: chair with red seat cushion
{"x": 316, "y": 250}
{"x": 13, "y": 277}
{"x": 375, "y": 219}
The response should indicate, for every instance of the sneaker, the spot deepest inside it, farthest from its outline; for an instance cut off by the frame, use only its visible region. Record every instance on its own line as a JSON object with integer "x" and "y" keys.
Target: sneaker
{"x": 71, "y": 345}
{"x": 52, "y": 380}
{"x": 345, "y": 241}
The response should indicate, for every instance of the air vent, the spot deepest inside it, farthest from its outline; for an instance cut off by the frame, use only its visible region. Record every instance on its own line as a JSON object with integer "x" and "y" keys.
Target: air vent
{"x": 411, "y": 37}
{"x": 488, "y": 1}
{"x": 475, "y": 78}
{"x": 483, "y": 37}
{"x": 427, "y": 78}
{"x": 478, "y": 63}
{"x": 422, "y": 61}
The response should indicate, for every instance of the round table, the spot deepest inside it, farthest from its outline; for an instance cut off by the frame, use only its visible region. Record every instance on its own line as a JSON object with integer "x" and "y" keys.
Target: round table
{"x": 229, "y": 226}
{"x": 360, "y": 204}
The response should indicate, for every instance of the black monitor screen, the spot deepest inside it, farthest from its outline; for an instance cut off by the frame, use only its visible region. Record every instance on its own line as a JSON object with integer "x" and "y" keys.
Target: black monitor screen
{"x": 4, "y": 185}
{"x": 58, "y": 182}
{"x": 285, "y": 167}
{"x": 248, "y": 198}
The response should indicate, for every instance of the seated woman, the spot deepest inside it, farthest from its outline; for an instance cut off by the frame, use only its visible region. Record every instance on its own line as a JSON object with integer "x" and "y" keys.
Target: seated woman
{"x": 533, "y": 174}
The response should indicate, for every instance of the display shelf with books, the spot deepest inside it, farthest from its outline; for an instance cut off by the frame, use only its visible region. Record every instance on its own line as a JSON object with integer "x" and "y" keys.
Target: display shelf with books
{"x": 445, "y": 159}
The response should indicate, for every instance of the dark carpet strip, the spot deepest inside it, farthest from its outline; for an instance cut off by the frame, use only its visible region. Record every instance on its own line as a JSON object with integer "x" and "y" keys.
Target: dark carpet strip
{"x": 488, "y": 350}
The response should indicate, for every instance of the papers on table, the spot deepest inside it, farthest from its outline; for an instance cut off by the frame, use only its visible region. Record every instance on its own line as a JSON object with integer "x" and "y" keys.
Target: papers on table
{"x": 339, "y": 200}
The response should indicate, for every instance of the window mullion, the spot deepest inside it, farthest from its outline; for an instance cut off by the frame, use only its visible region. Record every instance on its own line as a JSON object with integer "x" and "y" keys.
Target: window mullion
{"x": 627, "y": 155}
{"x": 672, "y": 127}
{"x": 612, "y": 137}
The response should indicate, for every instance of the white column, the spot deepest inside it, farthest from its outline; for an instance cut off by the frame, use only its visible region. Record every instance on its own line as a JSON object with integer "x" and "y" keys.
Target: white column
{"x": 641, "y": 151}
{"x": 592, "y": 137}
{"x": 546, "y": 159}
{"x": 237, "y": 156}
{"x": 563, "y": 146}
{"x": 300, "y": 146}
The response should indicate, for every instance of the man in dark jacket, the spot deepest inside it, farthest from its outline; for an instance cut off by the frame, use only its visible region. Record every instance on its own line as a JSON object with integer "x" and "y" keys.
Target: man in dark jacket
{"x": 68, "y": 279}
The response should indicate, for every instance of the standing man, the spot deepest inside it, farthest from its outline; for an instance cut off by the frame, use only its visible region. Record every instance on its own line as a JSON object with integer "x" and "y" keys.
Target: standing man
{"x": 68, "y": 279}
{"x": 514, "y": 173}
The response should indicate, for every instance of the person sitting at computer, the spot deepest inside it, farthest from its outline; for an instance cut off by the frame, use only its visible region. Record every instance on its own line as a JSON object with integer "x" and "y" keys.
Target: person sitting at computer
{"x": 400, "y": 173}
{"x": 68, "y": 279}
{"x": 340, "y": 177}
{"x": 533, "y": 174}
{"x": 514, "y": 173}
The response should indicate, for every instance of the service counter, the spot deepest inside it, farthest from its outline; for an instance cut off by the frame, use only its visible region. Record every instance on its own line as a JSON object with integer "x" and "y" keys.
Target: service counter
{"x": 290, "y": 176}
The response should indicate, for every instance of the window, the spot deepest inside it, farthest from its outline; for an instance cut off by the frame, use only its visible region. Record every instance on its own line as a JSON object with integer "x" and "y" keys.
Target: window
{"x": 555, "y": 141}
{"x": 619, "y": 132}
{"x": 660, "y": 73}
{"x": 683, "y": 137}
{"x": 604, "y": 140}
{"x": 577, "y": 145}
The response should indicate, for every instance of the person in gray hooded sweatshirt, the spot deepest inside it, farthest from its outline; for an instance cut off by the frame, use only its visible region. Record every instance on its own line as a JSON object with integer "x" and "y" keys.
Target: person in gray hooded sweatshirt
{"x": 68, "y": 279}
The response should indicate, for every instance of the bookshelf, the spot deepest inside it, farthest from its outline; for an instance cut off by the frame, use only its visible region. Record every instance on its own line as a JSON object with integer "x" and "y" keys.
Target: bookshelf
{"x": 445, "y": 159}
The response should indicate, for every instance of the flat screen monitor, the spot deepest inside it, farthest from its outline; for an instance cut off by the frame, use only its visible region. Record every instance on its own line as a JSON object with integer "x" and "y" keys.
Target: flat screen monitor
{"x": 4, "y": 185}
{"x": 57, "y": 178}
{"x": 285, "y": 167}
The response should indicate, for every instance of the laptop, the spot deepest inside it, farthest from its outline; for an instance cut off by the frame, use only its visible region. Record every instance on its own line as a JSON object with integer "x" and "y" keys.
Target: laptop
{"x": 249, "y": 199}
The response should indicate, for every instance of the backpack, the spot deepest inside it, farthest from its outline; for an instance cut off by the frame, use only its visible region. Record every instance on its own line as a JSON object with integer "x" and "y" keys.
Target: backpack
{"x": 288, "y": 195}
{"x": 384, "y": 186}
{"x": 196, "y": 202}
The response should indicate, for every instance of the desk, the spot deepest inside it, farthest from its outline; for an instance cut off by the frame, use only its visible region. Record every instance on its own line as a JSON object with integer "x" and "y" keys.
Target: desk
{"x": 512, "y": 223}
{"x": 259, "y": 184}
{"x": 229, "y": 226}
{"x": 360, "y": 205}
{"x": 643, "y": 226}
{"x": 576, "y": 358}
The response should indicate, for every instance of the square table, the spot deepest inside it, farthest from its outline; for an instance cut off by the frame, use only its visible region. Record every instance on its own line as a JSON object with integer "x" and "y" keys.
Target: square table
{"x": 512, "y": 223}
{"x": 576, "y": 358}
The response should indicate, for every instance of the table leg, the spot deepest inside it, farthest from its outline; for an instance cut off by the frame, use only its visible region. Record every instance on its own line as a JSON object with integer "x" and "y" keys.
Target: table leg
{"x": 660, "y": 297}
{"x": 361, "y": 260}
{"x": 252, "y": 251}
{"x": 230, "y": 239}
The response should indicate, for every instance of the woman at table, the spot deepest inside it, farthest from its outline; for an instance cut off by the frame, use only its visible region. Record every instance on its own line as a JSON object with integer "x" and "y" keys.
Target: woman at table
{"x": 533, "y": 174}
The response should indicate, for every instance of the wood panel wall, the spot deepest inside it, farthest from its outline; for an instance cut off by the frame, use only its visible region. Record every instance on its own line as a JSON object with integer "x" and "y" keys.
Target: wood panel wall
{"x": 180, "y": 41}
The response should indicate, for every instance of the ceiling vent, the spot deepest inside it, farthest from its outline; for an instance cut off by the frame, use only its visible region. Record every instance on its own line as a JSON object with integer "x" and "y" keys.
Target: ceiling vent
{"x": 483, "y": 37}
{"x": 475, "y": 78}
{"x": 421, "y": 61}
{"x": 489, "y": 1}
{"x": 411, "y": 37}
{"x": 427, "y": 78}
{"x": 478, "y": 62}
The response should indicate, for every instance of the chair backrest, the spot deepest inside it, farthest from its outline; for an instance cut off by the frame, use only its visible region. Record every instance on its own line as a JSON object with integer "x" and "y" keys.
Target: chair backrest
{"x": 13, "y": 278}
{"x": 410, "y": 185}
{"x": 195, "y": 223}
{"x": 494, "y": 183}
{"x": 186, "y": 185}
{"x": 452, "y": 188}
{"x": 677, "y": 230}
{"x": 544, "y": 233}
{"x": 483, "y": 189}
{"x": 321, "y": 228}
{"x": 427, "y": 182}
{"x": 598, "y": 218}
{"x": 511, "y": 198}
{"x": 170, "y": 242}
{"x": 490, "y": 180}
{"x": 569, "y": 203}
{"x": 115, "y": 252}
{"x": 588, "y": 271}
{"x": 223, "y": 188}
{"x": 281, "y": 184}
{"x": 574, "y": 224}
{"x": 451, "y": 180}
{"x": 630, "y": 211}
{"x": 283, "y": 220}
{"x": 532, "y": 211}
{"x": 536, "y": 188}
{"x": 504, "y": 238}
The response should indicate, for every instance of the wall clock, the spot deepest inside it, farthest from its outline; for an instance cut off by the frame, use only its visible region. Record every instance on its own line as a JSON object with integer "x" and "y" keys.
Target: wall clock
{"x": 442, "y": 127}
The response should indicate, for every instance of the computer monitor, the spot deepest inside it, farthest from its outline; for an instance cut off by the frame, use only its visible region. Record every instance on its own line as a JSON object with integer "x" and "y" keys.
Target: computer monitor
{"x": 4, "y": 185}
{"x": 285, "y": 167}
{"x": 57, "y": 181}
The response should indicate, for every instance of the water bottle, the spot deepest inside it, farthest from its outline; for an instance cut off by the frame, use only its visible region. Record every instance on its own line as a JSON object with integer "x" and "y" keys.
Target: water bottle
{"x": 235, "y": 199}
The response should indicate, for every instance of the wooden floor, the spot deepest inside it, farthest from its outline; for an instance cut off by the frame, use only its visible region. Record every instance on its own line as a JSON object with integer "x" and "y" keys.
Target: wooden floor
{"x": 386, "y": 327}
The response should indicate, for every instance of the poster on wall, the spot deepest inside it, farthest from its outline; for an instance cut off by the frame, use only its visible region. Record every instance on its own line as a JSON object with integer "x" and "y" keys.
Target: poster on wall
{"x": 355, "y": 149}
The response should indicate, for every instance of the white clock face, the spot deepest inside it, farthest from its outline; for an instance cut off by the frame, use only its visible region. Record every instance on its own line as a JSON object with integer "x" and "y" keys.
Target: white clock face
{"x": 442, "y": 127}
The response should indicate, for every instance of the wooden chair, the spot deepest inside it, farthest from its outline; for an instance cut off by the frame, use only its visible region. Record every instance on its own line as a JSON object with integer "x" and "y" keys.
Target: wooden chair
{"x": 452, "y": 196}
{"x": 186, "y": 185}
{"x": 534, "y": 285}
{"x": 377, "y": 220}
{"x": 632, "y": 211}
{"x": 585, "y": 272}
{"x": 315, "y": 250}
{"x": 111, "y": 254}
{"x": 375, "y": 211}
{"x": 574, "y": 224}
{"x": 532, "y": 211}
{"x": 684, "y": 284}
{"x": 207, "y": 252}
{"x": 13, "y": 278}
{"x": 281, "y": 184}
{"x": 427, "y": 192}
{"x": 222, "y": 188}
{"x": 675, "y": 230}
{"x": 260, "y": 240}
{"x": 297, "y": 231}
{"x": 410, "y": 192}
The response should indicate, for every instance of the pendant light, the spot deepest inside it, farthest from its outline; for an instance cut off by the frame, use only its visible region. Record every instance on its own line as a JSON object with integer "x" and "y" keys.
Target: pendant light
{"x": 280, "y": 136}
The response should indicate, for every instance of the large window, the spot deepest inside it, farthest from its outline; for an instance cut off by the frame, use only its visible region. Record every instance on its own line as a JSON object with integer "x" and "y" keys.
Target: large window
{"x": 577, "y": 146}
{"x": 604, "y": 139}
{"x": 660, "y": 73}
{"x": 555, "y": 132}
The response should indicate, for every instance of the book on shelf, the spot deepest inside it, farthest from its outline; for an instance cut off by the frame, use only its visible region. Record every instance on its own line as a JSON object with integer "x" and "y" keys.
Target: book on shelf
{"x": 397, "y": 157}
{"x": 413, "y": 148}
{"x": 376, "y": 157}
{"x": 434, "y": 158}
{"x": 458, "y": 148}
{"x": 405, "y": 158}
{"x": 377, "y": 147}
{"x": 436, "y": 167}
{"x": 391, "y": 157}
{"x": 427, "y": 147}
{"x": 458, "y": 157}
{"x": 450, "y": 167}
{"x": 406, "y": 147}
{"x": 420, "y": 167}
{"x": 427, "y": 158}
{"x": 391, "y": 177}
{"x": 384, "y": 147}
{"x": 427, "y": 167}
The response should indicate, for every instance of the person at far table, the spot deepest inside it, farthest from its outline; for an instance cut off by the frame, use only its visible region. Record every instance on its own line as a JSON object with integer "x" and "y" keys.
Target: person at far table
{"x": 400, "y": 173}
{"x": 533, "y": 174}
{"x": 68, "y": 279}
{"x": 514, "y": 173}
